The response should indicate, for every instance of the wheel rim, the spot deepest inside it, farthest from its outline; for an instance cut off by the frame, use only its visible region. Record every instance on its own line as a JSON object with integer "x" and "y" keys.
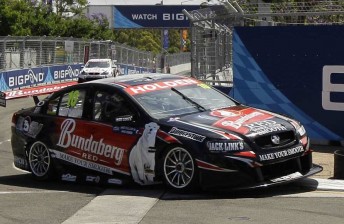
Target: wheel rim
{"x": 39, "y": 159}
{"x": 179, "y": 168}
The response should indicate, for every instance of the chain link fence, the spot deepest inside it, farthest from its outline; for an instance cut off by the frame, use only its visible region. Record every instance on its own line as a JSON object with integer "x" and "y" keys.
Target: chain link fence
{"x": 212, "y": 26}
{"x": 26, "y": 52}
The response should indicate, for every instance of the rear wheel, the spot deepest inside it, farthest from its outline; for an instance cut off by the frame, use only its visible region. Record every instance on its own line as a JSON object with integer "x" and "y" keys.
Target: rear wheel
{"x": 180, "y": 172}
{"x": 40, "y": 161}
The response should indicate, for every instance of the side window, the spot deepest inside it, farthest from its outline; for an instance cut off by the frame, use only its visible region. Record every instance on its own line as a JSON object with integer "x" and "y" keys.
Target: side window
{"x": 52, "y": 106}
{"x": 72, "y": 103}
{"x": 108, "y": 107}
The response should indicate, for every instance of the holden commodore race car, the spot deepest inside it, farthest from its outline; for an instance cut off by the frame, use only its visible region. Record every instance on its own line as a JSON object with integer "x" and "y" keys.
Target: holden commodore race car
{"x": 97, "y": 69}
{"x": 158, "y": 128}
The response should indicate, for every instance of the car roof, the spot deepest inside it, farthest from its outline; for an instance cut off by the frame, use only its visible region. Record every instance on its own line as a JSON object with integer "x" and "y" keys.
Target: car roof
{"x": 100, "y": 59}
{"x": 138, "y": 79}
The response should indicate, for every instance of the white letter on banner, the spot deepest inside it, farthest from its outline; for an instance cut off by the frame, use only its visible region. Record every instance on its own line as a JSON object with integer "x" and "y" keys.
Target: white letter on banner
{"x": 329, "y": 87}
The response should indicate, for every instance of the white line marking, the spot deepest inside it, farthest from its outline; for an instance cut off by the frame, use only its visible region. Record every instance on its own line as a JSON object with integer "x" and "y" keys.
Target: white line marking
{"x": 31, "y": 192}
{"x": 8, "y": 140}
{"x": 323, "y": 184}
{"x": 117, "y": 206}
{"x": 16, "y": 168}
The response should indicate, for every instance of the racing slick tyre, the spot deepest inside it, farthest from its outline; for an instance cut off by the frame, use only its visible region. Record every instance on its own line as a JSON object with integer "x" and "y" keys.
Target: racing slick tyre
{"x": 40, "y": 161}
{"x": 179, "y": 170}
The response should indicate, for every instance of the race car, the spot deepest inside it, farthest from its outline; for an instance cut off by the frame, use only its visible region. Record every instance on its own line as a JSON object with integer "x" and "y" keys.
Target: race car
{"x": 97, "y": 69}
{"x": 158, "y": 128}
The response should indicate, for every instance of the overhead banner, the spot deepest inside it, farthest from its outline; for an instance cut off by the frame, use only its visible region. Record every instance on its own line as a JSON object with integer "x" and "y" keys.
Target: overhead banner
{"x": 294, "y": 70}
{"x": 158, "y": 16}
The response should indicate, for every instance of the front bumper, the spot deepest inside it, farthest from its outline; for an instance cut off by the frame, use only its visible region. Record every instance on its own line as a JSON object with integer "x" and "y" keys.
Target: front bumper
{"x": 244, "y": 177}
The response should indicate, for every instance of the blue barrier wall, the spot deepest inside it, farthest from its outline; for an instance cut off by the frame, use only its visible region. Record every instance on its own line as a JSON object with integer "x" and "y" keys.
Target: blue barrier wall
{"x": 297, "y": 70}
{"x": 17, "y": 79}
{"x": 35, "y": 76}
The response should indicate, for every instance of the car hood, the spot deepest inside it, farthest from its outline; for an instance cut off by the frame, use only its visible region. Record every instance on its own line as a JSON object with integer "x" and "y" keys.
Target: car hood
{"x": 238, "y": 120}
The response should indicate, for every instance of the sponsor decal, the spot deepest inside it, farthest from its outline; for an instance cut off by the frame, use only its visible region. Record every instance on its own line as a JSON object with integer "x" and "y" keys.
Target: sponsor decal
{"x": 225, "y": 113}
{"x": 93, "y": 179}
{"x": 172, "y": 119}
{"x": 187, "y": 134}
{"x": 287, "y": 177}
{"x": 141, "y": 158}
{"x": 264, "y": 127}
{"x": 68, "y": 177}
{"x": 28, "y": 79}
{"x": 281, "y": 154}
{"x": 28, "y": 127}
{"x": 73, "y": 97}
{"x": 115, "y": 181}
{"x": 123, "y": 119}
{"x": 204, "y": 86}
{"x": 125, "y": 130}
{"x": 159, "y": 86}
{"x": 37, "y": 90}
{"x": 225, "y": 146}
{"x": 84, "y": 163}
{"x": 68, "y": 73}
{"x": 238, "y": 123}
{"x": 331, "y": 87}
{"x": 91, "y": 148}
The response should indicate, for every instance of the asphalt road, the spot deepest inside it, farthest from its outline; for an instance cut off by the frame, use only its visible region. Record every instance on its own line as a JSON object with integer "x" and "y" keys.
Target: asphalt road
{"x": 24, "y": 200}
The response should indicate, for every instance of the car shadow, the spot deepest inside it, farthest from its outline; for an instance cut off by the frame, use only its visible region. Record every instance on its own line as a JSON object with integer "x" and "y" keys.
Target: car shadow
{"x": 25, "y": 182}
{"x": 213, "y": 194}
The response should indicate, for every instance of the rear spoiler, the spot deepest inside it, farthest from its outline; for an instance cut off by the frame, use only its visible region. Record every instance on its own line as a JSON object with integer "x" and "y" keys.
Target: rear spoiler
{"x": 32, "y": 91}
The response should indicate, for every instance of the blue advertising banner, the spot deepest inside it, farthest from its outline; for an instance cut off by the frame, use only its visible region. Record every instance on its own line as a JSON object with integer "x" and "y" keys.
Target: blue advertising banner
{"x": 157, "y": 16}
{"x": 296, "y": 70}
{"x": 16, "y": 79}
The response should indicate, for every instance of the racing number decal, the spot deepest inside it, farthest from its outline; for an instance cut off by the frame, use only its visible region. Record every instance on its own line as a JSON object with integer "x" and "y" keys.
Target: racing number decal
{"x": 73, "y": 98}
{"x": 329, "y": 87}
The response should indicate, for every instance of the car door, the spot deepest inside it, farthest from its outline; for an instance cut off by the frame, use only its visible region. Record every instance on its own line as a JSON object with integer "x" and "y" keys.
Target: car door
{"x": 112, "y": 131}
{"x": 65, "y": 129}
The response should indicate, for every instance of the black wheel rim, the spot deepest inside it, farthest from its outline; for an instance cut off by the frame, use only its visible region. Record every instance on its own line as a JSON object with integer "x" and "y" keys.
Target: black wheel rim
{"x": 39, "y": 159}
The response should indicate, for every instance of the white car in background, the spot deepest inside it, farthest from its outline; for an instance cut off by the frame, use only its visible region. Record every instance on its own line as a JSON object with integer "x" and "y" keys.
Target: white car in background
{"x": 97, "y": 69}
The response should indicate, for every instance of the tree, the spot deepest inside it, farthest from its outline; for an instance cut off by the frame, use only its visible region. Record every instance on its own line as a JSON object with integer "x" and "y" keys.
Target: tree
{"x": 70, "y": 7}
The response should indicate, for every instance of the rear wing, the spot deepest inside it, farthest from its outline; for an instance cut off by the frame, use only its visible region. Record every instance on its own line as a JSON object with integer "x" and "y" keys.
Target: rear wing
{"x": 32, "y": 91}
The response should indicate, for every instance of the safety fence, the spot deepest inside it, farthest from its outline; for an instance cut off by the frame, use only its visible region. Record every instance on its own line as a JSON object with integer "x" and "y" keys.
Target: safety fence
{"x": 212, "y": 28}
{"x": 31, "y": 61}
{"x": 29, "y": 52}
{"x": 275, "y": 49}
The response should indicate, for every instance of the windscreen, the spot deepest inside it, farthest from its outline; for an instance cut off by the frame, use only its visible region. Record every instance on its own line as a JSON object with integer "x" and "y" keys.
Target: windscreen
{"x": 181, "y": 100}
{"x": 97, "y": 64}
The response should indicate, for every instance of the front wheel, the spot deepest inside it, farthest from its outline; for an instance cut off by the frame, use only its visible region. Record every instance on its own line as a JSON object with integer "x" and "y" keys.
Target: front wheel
{"x": 180, "y": 171}
{"x": 40, "y": 161}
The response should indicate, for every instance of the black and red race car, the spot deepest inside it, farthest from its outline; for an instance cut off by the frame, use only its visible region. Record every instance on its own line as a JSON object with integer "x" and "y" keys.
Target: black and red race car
{"x": 156, "y": 128}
